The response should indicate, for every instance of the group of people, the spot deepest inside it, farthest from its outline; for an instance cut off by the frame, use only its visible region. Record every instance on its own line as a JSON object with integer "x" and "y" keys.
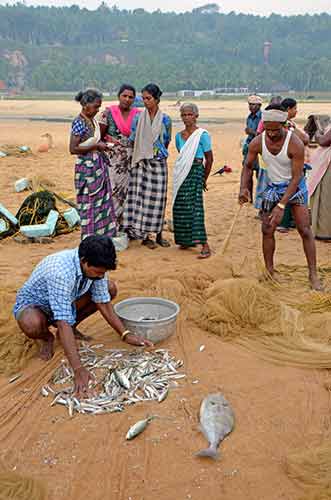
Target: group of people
{"x": 277, "y": 150}
{"x": 121, "y": 172}
{"x": 121, "y": 181}
{"x": 121, "y": 178}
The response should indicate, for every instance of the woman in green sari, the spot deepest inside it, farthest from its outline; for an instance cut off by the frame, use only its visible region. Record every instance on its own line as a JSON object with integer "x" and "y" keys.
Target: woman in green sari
{"x": 191, "y": 172}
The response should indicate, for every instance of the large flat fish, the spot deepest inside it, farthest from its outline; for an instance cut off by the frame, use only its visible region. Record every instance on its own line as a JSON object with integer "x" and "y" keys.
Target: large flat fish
{"x": 216, "y": 422}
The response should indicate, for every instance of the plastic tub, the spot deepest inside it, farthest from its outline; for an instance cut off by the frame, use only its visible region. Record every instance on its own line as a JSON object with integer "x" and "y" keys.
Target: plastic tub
{"x": 153, "y": 318}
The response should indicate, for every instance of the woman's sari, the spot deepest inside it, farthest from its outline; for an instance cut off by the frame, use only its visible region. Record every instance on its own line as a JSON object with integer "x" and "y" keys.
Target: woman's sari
{"x": 92, "y": 183}
{"x": 119, "y": 155}
{"x": 188, "y": 209}
{"x": 319, "y": 187}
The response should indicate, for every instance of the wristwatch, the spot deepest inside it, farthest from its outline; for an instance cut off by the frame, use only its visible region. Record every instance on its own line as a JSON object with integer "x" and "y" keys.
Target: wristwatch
{"x": 281, "y": 205}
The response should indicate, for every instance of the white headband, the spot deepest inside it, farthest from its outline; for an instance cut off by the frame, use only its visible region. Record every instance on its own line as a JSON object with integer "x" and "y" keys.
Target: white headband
{"x": 274, "y": 115}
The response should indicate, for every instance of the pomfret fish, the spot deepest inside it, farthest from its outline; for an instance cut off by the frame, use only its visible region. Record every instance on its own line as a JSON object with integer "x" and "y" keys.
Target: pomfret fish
{"x": 216, "y": 421}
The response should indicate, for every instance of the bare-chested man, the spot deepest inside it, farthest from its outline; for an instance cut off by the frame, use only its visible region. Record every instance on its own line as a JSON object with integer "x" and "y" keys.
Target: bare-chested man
{"x": 283, "y": 153}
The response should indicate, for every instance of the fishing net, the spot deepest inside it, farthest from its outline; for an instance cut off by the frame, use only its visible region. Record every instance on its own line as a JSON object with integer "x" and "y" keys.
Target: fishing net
{"x": 15, "y": 348}
{"x": 312, "y": 469}
{"x": 13, "y": 486}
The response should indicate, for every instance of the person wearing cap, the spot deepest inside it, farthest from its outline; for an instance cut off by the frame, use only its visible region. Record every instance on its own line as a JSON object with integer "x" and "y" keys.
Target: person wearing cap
{"x": 283, "y": 153}
{"x": 252, "y": 122}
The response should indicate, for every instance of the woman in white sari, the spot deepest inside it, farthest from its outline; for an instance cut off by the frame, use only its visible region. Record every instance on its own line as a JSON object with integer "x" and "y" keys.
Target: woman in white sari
{"x": 191, "y": 172}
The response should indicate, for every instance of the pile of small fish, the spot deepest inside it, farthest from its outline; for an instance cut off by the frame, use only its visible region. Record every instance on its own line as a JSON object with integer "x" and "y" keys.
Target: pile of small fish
{"x": 122, "y": 378}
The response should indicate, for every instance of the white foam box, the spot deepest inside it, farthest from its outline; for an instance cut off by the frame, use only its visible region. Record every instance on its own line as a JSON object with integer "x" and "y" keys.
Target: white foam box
{"x": 9, "y": 215}
{"x": 72, "y": 217}
{"x": 21, "y": 184}
{"x": 40, "y": 230}
{"x": 52, "y": 220}
{"x": 3, "y": 225}
{"x": 36, "y": 230}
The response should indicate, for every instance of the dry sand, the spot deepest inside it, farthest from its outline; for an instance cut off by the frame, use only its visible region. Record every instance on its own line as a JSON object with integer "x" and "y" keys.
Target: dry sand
{"x": 277, "y": 409}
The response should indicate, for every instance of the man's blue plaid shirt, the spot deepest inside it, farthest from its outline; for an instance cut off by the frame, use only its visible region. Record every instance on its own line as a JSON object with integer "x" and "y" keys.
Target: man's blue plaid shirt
{"x": 56, "y": 283}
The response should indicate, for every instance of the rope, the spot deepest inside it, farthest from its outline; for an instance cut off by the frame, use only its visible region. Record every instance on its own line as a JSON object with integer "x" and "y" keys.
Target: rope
{"x": 229, "y": 234}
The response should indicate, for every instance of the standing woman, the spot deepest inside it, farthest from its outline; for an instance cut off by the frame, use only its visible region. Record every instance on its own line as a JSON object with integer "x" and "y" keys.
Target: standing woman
{"x": 92, "y": 183}
{"x": 319, "y": 187}
{"x": 147, "y": 194}
{"x": 115, "y": 125}
{"x": 191, "y": 172}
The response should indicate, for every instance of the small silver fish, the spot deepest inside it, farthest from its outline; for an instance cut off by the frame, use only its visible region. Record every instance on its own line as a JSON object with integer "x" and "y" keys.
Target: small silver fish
{"x": 44, "y": 392}
{"x": 14, "y": 377}
{"x": 138, "y": 427}
{"x": 122, "y": 379}
{"x": 217, "y": 421}
{"x": 163, "y": 395}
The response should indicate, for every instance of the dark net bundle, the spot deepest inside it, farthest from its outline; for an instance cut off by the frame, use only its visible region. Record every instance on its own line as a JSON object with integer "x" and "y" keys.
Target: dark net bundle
{"x": 35, "y": 210}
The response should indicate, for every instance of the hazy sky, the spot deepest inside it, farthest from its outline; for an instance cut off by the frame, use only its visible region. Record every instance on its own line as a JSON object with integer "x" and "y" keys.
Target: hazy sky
{"x": 263, "y": 7}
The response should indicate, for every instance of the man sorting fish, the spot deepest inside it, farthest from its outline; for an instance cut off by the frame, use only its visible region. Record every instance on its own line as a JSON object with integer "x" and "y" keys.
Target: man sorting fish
{"x": 64, "y": 289}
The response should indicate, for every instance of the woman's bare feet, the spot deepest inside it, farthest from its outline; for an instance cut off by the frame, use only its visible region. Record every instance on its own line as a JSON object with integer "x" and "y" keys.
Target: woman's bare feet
{"x": 47, "y": 348}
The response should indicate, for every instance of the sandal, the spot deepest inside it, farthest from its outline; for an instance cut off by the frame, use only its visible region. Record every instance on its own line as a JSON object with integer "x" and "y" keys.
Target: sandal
{"x": 149, "y": 244}
{"x": 204, "y": 254}
{"x": 163, "y": 243}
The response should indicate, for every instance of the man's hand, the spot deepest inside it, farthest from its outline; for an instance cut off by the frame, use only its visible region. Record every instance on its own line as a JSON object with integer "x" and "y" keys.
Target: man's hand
{"x": 82, "y": 378}
{"x": 250, "y": 131}
{"x": 276, "y": 216}
{"x": 133, "y": 339}
{"x": 244, "y": 196}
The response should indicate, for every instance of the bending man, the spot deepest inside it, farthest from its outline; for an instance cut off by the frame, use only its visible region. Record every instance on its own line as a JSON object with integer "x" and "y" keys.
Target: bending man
{"x": 283, "y": 153}
{"x": 64, "y": 289}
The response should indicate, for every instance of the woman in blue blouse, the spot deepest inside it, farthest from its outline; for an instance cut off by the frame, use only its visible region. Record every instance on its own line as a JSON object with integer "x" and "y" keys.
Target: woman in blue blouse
{"x": 190, "y": 175}
{"x": 147, "y": 193}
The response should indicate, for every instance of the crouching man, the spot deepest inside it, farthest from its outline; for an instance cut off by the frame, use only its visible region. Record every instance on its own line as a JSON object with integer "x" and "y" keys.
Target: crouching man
{"x": 64, "y": 289}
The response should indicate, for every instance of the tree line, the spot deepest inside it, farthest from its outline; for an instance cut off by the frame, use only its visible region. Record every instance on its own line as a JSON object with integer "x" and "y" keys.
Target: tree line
{"x": 70, "y": 47}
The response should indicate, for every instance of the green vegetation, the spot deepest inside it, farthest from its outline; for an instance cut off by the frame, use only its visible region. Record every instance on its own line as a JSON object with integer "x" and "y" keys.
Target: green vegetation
{"x": 69, "y": 48}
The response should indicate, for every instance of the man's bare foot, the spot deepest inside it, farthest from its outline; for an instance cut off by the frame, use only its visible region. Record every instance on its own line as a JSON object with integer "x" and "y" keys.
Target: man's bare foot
{"x": 315, "y": 283}
{"x": 80, "y": 336}
{"x": 269, "y": 275}
{"x": 47, "y": 348}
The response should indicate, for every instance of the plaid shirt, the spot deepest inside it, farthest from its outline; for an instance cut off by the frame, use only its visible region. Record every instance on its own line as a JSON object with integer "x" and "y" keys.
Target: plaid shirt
{"x": 56, "y": 283}
{"x": 274, "y": 193}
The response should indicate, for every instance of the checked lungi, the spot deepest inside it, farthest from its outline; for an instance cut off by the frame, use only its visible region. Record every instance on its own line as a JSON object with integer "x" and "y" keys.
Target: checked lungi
{"x": 94, "y": 195}
{"x": 274, "y": 193}
{"x": 146, "y": 199}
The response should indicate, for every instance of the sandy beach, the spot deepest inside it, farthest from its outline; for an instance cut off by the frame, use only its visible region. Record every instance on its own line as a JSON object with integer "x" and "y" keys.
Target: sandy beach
{"x": 277, "y": 408}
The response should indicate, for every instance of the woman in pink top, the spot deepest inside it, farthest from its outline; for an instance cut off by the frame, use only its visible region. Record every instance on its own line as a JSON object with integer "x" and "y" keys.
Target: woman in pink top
{"x": 115, "y": 125}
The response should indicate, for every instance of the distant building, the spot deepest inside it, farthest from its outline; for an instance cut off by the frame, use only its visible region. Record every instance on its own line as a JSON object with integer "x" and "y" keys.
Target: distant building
{"x": 232, "y": 91}
{"x": 3, "y": 88}
{"x": 214, "y": 92}
{"x": 266, "y": 51}
{"x": 195, "y": 93}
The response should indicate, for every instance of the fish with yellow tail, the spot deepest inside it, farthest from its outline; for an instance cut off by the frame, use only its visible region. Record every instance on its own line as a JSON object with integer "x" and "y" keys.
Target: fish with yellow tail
{"x": 216, "y": 422}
